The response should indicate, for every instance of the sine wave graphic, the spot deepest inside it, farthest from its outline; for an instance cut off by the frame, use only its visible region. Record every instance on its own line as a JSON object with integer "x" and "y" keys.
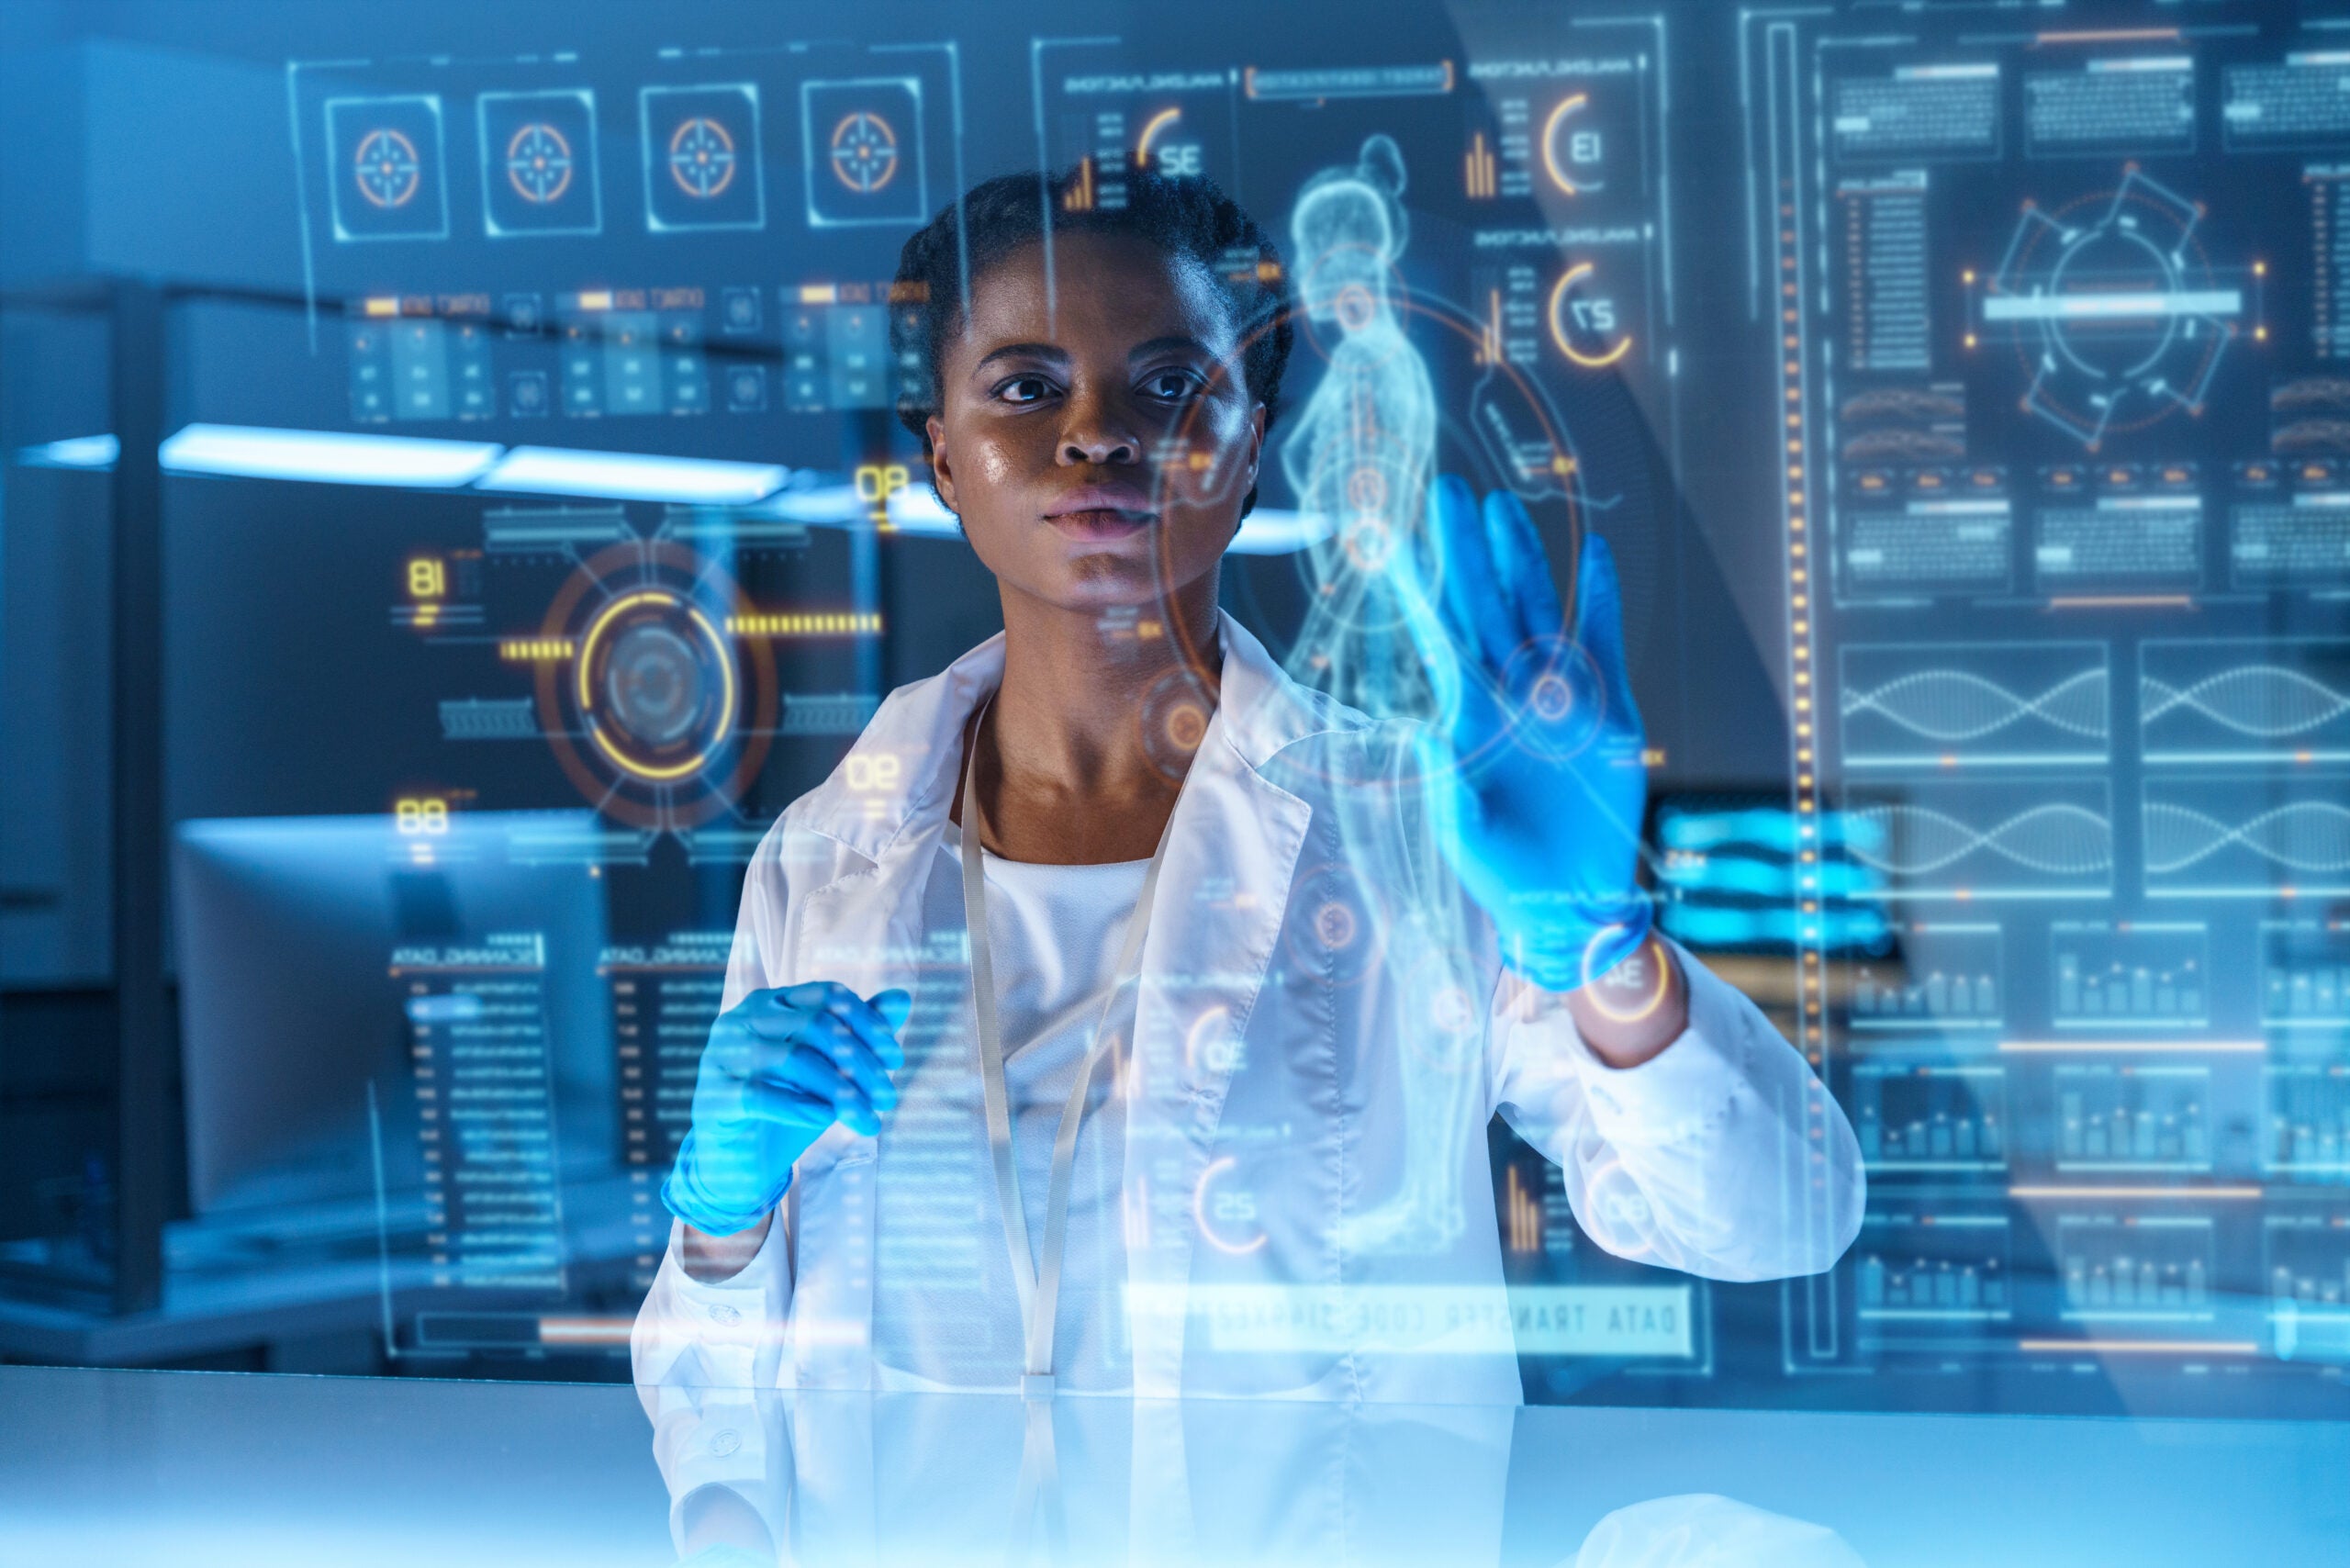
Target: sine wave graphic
{"x": 2301, "y": 836}
{"x": 2059, "y": 839}
{"x": 2268, "y": 700}
{"x": 1954, "y": 705}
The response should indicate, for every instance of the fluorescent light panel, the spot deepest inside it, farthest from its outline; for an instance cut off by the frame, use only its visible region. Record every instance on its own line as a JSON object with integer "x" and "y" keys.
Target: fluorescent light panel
{"x": 75, "y": 451}
{"x": 327, "y": 457}
{"x": 248, "y": 451}
{"x": 634, "y": 477}
{"x": 1273, "y": 530}
{"x": 825, "y": 506}
{"x": 915, "y": 510}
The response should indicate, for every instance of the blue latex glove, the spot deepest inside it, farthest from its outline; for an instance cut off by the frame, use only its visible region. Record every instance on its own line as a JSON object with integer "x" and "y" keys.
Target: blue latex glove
{"x": 779, "y": 1069}
{"x": 1534, "y": 767}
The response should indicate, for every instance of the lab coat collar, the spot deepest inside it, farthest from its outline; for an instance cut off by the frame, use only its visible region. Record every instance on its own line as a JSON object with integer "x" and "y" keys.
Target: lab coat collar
{"x": 896, "y": 780}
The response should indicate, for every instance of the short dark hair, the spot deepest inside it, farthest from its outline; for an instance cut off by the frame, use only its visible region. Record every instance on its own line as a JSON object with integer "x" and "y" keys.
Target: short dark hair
{"x": 1188, "y": 216}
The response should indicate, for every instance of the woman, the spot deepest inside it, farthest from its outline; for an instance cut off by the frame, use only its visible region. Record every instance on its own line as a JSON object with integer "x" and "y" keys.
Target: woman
{"x": 1122, "y": 1016}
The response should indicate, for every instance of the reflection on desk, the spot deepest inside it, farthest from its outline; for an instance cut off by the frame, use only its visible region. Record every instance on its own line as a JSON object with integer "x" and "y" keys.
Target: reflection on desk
{"x": 128, "y": 1469}
{"x": 757, "y": 1478}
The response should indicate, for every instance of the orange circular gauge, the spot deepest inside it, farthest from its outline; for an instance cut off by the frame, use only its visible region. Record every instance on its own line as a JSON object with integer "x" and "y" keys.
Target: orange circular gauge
{"x": 386, "y": 167}
{"x": 538, "y": 162}
{"x": 1586, "y": 321}
{"x": 864, "y": 151}
{"x": 1223, "y": 1218}
{"x": 655, "y": 685}
{"x": 701, "y": 158}
{"x": 1568, "y": 145}
{"x": 655, "y": 712}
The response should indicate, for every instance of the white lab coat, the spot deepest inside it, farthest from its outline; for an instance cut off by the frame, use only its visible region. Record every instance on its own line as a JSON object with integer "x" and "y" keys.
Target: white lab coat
{"x": 1324, "y": 1029}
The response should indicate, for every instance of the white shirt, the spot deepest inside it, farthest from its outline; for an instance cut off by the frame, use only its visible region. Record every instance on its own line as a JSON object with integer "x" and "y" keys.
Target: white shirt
{"x": 946, "y": 1313}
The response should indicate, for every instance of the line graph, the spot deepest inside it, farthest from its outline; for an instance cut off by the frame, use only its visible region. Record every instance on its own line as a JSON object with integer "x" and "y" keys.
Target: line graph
{"x": 2247, "y": 838}
{"x": 2225, "y": 700}
{"x": 1998, "y": 840}
{"x": 1942, "y": 706}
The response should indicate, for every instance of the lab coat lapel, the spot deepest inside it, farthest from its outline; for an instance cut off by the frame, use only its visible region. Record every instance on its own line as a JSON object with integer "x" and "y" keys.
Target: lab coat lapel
{"x": 885, "y": 804}
{"x": 1233, "y": 851}
{"x": 1223, "y": 895}
{"x": 832, "y": 1311}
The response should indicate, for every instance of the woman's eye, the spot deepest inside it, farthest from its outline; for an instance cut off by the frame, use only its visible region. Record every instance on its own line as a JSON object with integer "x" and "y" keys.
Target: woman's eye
{"x": 1025, "y": 389}
{"x": 1173, "y": 386}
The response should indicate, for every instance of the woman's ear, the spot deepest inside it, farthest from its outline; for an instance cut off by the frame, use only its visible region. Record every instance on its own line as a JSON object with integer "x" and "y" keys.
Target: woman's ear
{"x": 941, "y": 475}
{"x": 1255, "y": 446}
{"x": 1250, "y": 461}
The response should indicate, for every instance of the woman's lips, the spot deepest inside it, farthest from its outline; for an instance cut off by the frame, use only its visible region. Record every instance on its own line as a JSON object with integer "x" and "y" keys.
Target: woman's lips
{"x": 1101, "y": 522}
{"x": 1098, "y": 511}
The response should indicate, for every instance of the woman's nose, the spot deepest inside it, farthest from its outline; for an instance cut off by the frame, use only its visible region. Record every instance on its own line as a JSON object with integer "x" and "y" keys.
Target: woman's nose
{"x": 1093, "y": 448}
{"x": 1095, "y": 434}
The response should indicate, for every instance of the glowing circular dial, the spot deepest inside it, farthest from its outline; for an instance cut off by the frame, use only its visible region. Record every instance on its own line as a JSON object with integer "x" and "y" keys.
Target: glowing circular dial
{"x": 538, "y": 162}
{"x": 864, "y": 151}
{"x": 387, "y": 168}
{"x": 701, "y": 158}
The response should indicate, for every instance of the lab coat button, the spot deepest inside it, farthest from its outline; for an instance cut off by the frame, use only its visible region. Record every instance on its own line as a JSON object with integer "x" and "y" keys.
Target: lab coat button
{"x": 722, "y": 1312}
{"x": 725, "y": 1441}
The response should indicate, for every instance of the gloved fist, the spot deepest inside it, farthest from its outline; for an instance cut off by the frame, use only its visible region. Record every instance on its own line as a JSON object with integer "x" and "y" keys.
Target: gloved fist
{"x": 781, "y": 1069}
{"x": 1534, "y": 767}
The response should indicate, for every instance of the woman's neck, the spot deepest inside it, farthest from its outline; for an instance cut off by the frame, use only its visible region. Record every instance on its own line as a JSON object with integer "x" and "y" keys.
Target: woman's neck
{"x": 1065, "y": 773}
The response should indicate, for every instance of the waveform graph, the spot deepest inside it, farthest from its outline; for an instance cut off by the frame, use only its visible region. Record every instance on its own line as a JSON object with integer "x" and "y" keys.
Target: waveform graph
{"x": 2238, "y": 700}
{"x": 1964, "y": 839}
{"x": 2246, "y": 838}
{"x": 1974, "y": 705}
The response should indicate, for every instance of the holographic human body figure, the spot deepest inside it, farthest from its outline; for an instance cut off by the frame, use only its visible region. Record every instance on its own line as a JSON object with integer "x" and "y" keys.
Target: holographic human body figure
{"x": 1363, "y": 448}
{"x": 1361, "y": 456}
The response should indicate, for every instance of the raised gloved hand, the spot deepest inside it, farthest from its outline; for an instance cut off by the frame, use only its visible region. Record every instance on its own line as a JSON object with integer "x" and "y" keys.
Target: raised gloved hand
{"x": 1535, "y": 768}
{"x": 780, "y": 1067}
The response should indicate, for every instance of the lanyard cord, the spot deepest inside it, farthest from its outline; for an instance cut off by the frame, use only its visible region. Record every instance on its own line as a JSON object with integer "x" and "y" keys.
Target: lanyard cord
{"x": 1038, "y": 1284}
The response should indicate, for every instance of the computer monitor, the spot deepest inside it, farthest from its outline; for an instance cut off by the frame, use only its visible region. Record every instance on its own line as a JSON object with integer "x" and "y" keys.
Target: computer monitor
{"x": 300, "y": 943}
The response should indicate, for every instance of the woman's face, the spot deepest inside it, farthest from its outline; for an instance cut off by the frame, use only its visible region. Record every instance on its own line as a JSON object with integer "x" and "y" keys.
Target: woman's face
{"x": 1097, "y": 452}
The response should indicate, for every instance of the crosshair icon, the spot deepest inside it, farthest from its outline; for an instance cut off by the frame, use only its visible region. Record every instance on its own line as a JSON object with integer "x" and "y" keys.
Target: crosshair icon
{"x": 387, "y": 168}
{"x": 538, "y": 162}
{"x": 865, "y": 151}
{"x": 701, "y": 158}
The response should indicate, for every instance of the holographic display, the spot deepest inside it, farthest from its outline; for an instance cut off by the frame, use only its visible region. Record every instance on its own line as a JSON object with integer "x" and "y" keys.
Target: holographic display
{"x": 2050, "y": 310}
{"x": 1994, "y": 360}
